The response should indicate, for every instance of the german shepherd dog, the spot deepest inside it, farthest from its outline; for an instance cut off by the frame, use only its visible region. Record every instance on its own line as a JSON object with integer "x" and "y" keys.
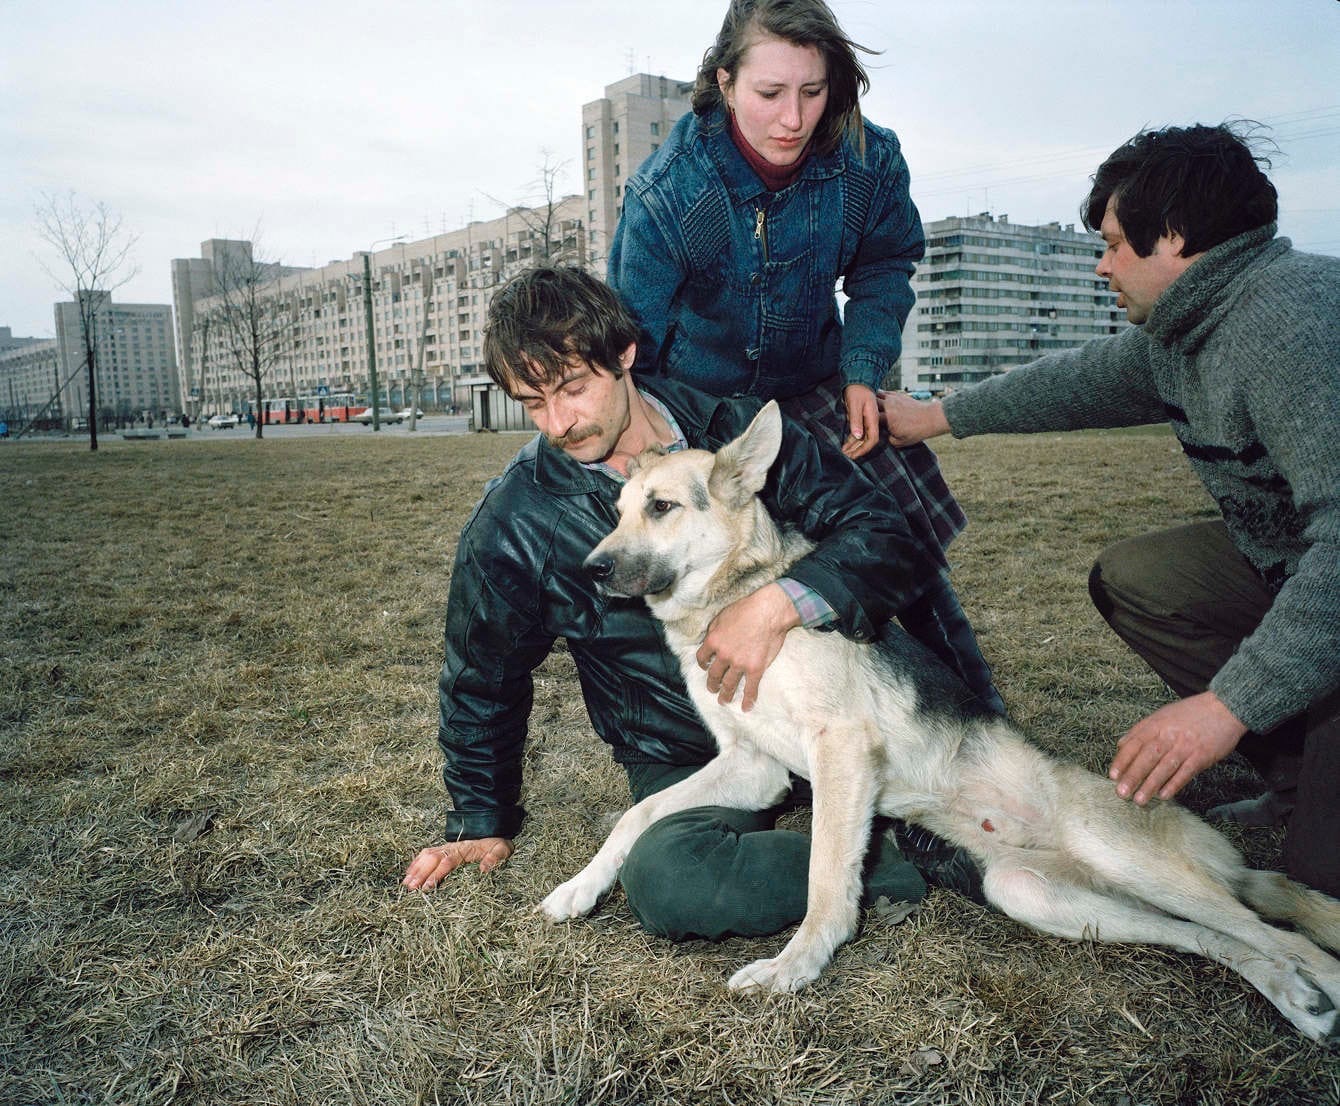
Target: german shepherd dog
{"x": 885, "y": 728}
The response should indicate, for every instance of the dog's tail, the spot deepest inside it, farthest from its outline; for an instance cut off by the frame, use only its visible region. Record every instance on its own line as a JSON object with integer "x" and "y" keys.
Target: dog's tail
{"x": 1275, "y": 896}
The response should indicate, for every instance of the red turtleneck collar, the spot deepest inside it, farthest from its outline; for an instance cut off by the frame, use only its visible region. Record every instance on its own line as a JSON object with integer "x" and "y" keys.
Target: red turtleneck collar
{"x": 774, "y": 178}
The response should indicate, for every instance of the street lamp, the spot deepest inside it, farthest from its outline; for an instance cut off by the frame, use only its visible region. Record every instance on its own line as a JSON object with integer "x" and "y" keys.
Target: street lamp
{"x": 372, "y": 335}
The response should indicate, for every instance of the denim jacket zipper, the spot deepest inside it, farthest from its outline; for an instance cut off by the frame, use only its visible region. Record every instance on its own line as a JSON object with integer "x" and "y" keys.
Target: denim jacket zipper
{"x": 761, "y": 231}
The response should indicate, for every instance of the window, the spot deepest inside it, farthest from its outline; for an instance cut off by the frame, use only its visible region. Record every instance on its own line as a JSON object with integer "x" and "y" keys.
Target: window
{"x": 655, "y": 129}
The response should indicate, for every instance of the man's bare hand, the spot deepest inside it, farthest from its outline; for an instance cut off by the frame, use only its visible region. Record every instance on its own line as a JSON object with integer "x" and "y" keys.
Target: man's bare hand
{"x": 743, "y": 640}
{"x": 862, "y": 420}
{"x": 433, "y": 864}
{"x": 1162, "y": 752}
{"x": 909, "y": 420}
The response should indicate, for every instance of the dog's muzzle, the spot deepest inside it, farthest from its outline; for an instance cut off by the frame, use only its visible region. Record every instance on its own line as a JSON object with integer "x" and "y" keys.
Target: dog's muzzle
{"x": 600, "y": 568}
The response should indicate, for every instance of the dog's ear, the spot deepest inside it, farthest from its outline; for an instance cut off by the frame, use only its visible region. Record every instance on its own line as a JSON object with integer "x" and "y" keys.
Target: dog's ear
{"x": 645, "y": 458}
{"x": 741, "y": 467}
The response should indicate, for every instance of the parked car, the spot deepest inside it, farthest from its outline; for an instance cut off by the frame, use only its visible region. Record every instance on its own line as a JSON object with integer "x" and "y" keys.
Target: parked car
{"x": 385, "y": 415}
{"x": 222, "y": 422}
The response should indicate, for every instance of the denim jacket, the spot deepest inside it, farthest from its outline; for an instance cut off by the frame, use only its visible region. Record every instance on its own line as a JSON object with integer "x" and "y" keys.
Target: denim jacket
{"x": 734, "y": 285}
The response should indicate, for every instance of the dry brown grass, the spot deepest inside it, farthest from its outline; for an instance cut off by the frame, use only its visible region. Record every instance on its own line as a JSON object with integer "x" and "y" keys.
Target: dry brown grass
{"x": 243, "y": 638}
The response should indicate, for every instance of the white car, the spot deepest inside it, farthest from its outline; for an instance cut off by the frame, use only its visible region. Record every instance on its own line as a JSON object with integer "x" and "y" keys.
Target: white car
{"x": 384, "y": 415}
{"x": 222, "y": 422}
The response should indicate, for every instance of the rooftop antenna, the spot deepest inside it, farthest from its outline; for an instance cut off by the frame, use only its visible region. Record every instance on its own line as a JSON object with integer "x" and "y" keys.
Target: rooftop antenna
{"x": 631, "y": 61}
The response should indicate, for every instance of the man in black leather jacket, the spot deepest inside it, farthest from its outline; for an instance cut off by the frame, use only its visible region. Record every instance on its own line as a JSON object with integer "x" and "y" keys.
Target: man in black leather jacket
{"x": 560, "y": 342}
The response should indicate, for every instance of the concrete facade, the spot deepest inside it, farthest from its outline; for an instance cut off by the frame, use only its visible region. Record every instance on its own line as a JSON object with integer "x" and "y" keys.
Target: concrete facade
{"x": 619, "y": 132}
{"x": 433, "y": 292}
{"x": 992, "y": 294}
{"x": 136, "y": 360}
{"x": 197, "y": 278}
{"x": 29, "y": 378}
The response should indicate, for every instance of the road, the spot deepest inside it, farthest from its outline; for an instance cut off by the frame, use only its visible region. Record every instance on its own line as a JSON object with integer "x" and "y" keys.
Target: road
{"x": 429, "y": 424}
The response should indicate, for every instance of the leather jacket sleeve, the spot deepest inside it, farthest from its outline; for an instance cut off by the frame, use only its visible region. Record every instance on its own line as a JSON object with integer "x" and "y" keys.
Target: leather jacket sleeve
{"x": 493, "y": 644}
{"x": 866, "y": 558}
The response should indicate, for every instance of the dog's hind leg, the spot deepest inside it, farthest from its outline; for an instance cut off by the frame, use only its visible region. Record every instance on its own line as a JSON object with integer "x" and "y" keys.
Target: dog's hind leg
{"x": 1187, "y": 869}
{"x": 1064, "y": 909}
{"x": 1276, "y": 896}
{"x": 742, "y": 777}
{"x": 845, "y": 781}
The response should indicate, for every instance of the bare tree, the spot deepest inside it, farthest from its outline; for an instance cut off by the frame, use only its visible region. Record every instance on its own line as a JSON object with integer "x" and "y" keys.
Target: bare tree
{"x": 94, "y": 251}
{"x": 549, "y": 245}
{"x": 253, "y": 322}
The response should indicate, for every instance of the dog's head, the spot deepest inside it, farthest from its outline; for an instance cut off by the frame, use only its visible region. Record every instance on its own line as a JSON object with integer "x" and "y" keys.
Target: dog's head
{"x": 681, "y": 515}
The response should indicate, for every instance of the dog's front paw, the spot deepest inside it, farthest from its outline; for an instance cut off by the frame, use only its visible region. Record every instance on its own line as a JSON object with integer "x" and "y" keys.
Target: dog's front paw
{"x": 778, "y": 975}
{"x": 573, "y": 899}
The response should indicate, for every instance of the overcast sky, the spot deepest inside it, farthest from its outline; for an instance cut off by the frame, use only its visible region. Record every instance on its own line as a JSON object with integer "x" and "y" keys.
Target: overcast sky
{"x": 332, "y": 125}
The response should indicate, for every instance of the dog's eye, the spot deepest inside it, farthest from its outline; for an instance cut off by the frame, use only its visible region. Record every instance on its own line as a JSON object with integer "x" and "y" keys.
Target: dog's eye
{"x": 662, "y": 506}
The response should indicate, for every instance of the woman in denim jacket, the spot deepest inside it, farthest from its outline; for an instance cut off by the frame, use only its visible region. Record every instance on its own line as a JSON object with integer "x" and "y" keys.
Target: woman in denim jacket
{"x": 734, "y": 235}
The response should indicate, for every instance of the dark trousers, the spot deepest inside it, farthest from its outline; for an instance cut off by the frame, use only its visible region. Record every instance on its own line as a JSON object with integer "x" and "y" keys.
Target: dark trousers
{"x": 1184, "y": 599}
{"x": 714, "y": 872}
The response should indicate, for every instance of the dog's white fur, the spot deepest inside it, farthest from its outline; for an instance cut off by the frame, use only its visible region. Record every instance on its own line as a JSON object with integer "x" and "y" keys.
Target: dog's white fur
{"x": 1058, "y": 849}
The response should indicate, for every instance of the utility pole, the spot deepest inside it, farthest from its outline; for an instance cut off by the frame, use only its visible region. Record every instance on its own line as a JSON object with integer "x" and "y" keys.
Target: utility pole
{"x": 372, "y": 340}
{"x": 372, "y": 335}
{"x": 423, "y": 338}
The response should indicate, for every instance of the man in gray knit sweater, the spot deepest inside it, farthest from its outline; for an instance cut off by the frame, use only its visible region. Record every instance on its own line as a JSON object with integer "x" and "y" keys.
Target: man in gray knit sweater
{"x": 1237, "y": 345}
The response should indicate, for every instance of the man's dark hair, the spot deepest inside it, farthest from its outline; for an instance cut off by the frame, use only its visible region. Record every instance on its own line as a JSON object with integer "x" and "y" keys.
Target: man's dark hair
{"x": 544, "y": 318}
{"x": 801, "y": 23}
{"x": 1201, "y": 182}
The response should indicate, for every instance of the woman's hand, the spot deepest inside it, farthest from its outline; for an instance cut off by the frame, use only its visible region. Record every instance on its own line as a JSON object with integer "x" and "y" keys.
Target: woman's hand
{"x": 862, "y": 420}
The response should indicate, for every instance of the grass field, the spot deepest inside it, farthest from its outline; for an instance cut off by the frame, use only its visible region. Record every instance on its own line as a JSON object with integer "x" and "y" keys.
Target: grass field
{"x": 217, "y": 753}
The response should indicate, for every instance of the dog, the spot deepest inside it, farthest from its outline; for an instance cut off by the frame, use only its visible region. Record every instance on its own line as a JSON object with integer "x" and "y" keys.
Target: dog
{"x": 886, "y": 728}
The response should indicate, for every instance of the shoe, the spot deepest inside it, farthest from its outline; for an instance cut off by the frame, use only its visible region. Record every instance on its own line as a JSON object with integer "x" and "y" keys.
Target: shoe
{"x": 1269, "y": 809}
{"x": 940, "y": 863}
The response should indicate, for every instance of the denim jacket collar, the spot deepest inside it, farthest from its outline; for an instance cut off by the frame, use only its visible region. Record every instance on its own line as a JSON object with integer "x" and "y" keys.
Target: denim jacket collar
{"x": 742, "y": 183}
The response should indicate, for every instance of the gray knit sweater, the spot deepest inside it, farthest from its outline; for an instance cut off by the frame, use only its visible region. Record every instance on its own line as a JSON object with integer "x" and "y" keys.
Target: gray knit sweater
{"x": 1242, "y": 355}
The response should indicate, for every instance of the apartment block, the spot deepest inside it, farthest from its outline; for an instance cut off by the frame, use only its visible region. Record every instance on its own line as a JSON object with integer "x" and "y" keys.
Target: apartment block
{"x": 197, "y": 278}
{"x": 619, "y": 132}
{"x": 29, "y": 381}
{"x": 429, "y": 299}
{"x": 135, "y": 358}
{"x": 992, "y": 294}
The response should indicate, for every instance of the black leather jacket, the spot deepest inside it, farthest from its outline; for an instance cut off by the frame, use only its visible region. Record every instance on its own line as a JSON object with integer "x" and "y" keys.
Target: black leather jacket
{"x": 518, "y": 586}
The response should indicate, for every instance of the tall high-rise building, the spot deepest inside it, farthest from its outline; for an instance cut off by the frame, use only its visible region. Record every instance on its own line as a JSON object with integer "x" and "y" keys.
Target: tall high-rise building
{"x": 136, "y": 364}
{"x": 992, "y": 294}
{"x": 619, "y": 132}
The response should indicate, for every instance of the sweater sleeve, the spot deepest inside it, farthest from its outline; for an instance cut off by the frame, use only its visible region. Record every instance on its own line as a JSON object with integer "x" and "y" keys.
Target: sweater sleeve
{"x": 1104, "y": 383}
{"x": 1292, "y": 386}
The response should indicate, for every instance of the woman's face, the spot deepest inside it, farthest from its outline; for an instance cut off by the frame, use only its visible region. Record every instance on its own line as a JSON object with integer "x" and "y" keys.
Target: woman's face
{"x": 778, "y": 96}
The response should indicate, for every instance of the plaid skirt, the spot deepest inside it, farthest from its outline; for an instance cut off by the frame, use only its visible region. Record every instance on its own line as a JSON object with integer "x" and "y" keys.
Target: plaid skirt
{"x": 912, "y": 476}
